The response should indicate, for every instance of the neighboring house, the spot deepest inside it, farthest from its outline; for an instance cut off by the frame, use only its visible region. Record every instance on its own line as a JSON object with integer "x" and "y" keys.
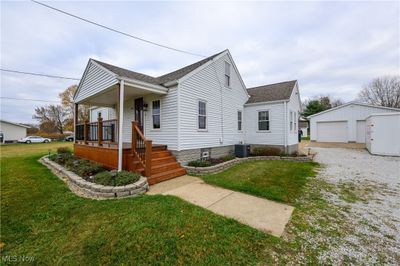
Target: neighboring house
{"x": 303, "y": 125}
{"x": 11, "y": 132}
{"x": 203, "y": 109}
{"x": 344, "y": 123}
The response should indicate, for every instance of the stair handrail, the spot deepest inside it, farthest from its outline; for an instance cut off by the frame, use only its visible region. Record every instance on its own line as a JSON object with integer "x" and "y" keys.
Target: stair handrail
{"x": 142, "y": 148}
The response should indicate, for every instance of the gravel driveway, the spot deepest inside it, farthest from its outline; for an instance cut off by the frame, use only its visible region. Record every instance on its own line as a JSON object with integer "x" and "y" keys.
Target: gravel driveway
{"x": 368, "y": 188}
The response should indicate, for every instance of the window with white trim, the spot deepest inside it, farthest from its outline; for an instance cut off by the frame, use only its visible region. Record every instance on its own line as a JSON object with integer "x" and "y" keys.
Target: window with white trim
{"x": 240, "y": 120}
{"x": 291, "y": 121}
{"x": 263, "y": 120}
{"x": 295, "y": 121}
{"x": 202, "y": 117}
{"x": 227, "y": 74}
{"x": 156, "y": 114}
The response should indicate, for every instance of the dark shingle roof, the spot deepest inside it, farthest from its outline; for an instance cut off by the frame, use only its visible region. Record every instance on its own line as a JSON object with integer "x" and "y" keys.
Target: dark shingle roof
{"x": 272, "y": 92}
{"x": 175, "y": 75}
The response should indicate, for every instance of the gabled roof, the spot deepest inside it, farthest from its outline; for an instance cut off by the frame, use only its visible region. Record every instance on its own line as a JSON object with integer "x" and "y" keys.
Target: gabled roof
{"x": 271, "y": 92}
{"x": 15, "y": 124}
{"x": 172, "y": 76}
{"x": 354, "y": 103}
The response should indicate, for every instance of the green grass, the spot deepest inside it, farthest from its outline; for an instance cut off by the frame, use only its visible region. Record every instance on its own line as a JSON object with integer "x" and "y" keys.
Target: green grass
{"x": 277, "y": 180}
{"x": 305, "y": 138}
{"x": 42, "y": 218}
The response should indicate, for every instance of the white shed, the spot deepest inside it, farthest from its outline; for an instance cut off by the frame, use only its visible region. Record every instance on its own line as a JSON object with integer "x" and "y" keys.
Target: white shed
{"x": 345, "y": 123}
{"x": 11, "y": 132}
{"x": 383, "y": 134}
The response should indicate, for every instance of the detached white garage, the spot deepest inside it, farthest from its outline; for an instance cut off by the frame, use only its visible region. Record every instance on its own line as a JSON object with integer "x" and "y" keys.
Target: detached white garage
{"x": 345, "y": 123}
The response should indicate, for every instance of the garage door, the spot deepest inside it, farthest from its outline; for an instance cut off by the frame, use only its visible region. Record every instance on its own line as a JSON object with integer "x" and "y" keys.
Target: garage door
{"x": 360, "y": 131}
{"x": 332, "y": 131}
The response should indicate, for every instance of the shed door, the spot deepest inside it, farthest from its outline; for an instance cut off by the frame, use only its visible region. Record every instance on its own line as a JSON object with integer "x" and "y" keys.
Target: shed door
{"x": 332, "y": 131}
{"x": 361, "y": 129}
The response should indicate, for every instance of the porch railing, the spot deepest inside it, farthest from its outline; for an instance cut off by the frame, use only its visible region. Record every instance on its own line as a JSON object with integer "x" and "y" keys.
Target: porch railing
{"x": 100, "y": 131}
{"x": 79, "y": 131}
{"x": 142, "y": 148}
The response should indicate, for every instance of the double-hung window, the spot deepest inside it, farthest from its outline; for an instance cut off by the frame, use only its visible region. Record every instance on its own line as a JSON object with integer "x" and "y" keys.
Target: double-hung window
{"x": 291, "y": 120}
{"x": 263, "y": 120}
{"x": 227, "y": 74}
{"x": 295, "y": 122}
{"x": 202, "y": 115}
{"x": 156, "y": 113}
{"x": 240, "y": 120}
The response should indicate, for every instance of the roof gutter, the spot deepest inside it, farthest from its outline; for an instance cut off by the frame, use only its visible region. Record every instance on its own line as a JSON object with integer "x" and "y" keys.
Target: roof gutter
{"x": 144, "y": 85}
{"x": 259, "y": 103}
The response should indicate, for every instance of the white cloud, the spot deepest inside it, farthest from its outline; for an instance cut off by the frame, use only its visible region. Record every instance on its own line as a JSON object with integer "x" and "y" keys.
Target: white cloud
{"x": 331, "y": 48}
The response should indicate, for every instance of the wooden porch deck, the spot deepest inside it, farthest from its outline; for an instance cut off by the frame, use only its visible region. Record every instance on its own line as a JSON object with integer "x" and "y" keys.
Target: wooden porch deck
{"x": 164, "y": 165}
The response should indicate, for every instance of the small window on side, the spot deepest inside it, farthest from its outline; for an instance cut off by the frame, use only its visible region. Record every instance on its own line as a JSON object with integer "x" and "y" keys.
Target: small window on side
{"x": 240, "y": 120}
{"x": 227, "y": 74}
{"x": 156, "y": 114}
{"x": 202, "y": 115}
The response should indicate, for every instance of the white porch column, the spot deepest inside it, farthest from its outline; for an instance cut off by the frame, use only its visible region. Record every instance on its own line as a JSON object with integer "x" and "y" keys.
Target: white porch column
{"x": 121, "y": 123}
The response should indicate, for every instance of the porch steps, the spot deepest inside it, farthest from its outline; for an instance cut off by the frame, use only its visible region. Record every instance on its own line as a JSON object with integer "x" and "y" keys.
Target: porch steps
{"x": 164, "y": 165}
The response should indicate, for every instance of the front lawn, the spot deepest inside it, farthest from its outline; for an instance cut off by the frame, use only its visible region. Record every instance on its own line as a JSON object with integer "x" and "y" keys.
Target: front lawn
{"x": 42, "y": 219}
{"x": 277, "y": 180}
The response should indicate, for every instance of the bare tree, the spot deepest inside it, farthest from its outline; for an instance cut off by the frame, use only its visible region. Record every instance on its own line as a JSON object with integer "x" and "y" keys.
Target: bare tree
{"x": 68, "y": 104}
{"x": 382, "y": 91}
{"x": 52, "y": 116}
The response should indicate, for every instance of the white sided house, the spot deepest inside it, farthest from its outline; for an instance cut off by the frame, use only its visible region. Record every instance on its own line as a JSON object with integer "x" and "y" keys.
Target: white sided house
{"x": 11, "y": 132}
{"x": 201, "y": 109}
{"x": 344, "y": 123}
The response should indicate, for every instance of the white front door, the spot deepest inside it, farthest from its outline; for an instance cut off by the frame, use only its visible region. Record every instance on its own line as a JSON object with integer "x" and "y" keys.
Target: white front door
{"x": 332, "y": 131}
{"x": 361, "y": 128}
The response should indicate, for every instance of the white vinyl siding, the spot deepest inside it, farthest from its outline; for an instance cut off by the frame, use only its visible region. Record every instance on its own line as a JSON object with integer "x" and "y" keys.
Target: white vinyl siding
{"x": 12, "y": 132}
{"x": 96, "y": 80}
{"x": 222, "y": 105}
{"x": 107, "y": 113}
{"x": 168, "y": 132}
{"x": 294, "y": 106}
{"x": 276, "y": 133}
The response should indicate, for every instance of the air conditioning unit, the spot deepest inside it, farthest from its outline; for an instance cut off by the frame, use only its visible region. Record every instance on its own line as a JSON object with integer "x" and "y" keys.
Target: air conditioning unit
{"x": 242, "y": 150}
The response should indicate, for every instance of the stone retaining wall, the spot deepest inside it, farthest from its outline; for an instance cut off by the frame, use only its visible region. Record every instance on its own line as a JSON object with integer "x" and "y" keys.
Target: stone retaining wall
{"x": 86, "y": 189}
{"x": 222, "y": 166}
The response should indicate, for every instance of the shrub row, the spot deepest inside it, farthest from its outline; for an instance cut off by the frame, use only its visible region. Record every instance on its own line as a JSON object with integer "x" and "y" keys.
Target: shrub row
{"x": 92, "y": 171}
{"x": 211, "y": 161}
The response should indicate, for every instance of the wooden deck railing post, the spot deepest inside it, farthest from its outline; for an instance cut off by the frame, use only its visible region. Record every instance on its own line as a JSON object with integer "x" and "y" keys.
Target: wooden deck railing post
{"x": 148, "y": 153}
{"x": 86, "y": 132}
{"x": 133, "y": 144}
{"x": 99, "y": 131}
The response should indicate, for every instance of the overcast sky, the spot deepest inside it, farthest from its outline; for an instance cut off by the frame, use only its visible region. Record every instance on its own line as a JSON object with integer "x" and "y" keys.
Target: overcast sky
{"x": 329, "y": 47}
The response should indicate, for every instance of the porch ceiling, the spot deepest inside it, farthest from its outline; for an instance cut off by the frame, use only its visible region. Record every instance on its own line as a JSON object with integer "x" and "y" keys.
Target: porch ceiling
{"x": 109, "y": 96}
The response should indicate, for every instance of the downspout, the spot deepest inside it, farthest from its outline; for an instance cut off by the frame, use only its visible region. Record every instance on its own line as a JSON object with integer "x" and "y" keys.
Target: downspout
{"x": 222, "y": 106}
{"x": 285, "y": 127}
{"x": 178, "y": 95}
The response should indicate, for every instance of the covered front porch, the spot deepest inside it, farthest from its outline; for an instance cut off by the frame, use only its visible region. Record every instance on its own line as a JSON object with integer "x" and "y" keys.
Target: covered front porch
{"x": 118, "y": 141}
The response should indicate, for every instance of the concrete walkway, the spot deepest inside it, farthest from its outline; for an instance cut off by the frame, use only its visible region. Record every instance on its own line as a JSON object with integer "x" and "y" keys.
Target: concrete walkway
{"x": 262, "y": 214}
